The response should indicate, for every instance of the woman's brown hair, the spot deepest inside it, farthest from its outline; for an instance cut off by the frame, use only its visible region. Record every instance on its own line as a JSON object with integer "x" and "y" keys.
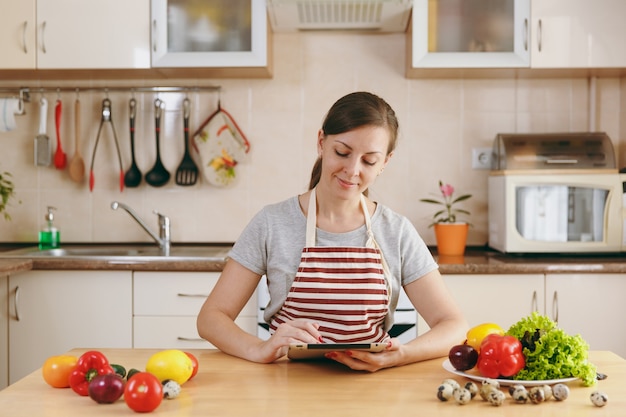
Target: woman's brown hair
{"x": 353, "y": 111}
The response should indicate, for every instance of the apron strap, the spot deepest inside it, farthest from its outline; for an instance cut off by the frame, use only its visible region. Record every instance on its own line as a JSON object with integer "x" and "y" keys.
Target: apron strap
{"x": 311, "y": 221}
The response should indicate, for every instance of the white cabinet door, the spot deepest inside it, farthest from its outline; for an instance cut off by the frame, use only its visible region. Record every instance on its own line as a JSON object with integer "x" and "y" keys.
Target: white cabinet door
{"x": 51, "y": 312}
{"x": 79, "y": 34}
{"x": 166, "y": 305}
{"x": 219, "y": 33}
{"x": 17, "y": 31}
{"x": 500, "y": 299}
{"x": 487, "y": 34}
{"x": 4, "y": 331}
{"x": 591, "y": 305}
{"x": 578, "y": 34}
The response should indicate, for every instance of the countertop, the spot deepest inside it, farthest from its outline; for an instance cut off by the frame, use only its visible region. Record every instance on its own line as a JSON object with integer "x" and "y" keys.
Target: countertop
{"x": 476, "y": 261}
{"x": 227, "y": 386}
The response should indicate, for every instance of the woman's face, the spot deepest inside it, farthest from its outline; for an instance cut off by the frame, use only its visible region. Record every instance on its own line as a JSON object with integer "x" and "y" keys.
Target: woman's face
{"x": 351, "y": 161}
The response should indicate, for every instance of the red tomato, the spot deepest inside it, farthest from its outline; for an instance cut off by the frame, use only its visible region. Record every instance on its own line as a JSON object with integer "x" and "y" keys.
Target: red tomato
{"x": 143, "y": 392}
{"x": 194, "y": 362}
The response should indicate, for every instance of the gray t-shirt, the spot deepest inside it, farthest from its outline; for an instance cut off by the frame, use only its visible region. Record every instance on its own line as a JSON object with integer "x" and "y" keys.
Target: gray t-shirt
{"x": 272, "y": 243}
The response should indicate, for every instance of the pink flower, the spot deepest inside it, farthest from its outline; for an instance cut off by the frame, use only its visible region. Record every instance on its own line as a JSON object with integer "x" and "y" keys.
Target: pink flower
{"x": 446, "y": 190}
{"x": 447, "y": 214}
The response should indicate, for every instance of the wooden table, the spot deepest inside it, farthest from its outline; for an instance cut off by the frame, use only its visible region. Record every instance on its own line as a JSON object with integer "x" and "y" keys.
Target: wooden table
{"x": 227, "y": 386}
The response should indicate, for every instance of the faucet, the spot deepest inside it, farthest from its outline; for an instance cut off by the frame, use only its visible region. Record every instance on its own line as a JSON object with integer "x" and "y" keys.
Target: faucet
{"x": 163, "y": 239}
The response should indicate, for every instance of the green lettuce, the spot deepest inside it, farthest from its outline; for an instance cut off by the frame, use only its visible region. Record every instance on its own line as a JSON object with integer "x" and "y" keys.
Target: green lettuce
{"x": 550, "y": 352}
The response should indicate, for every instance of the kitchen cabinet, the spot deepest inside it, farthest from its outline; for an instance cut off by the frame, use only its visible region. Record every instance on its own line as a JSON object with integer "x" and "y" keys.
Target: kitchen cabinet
{"x": 516, "y": 34}
{"x": 219, "y": 33}
{"x": 591, "y": 305}
{"x": 475, "y": 34}
{"x": 578, "y": 34}
{"x": 51, "y": 312}
{"x": 75, "y": 34}
{"x": 4, "y": 331}
{"x": 166, "y": 305}
{"x": 501, "y": 299}
{"x": 585, "y": 304}
{"x": 17, "y": 31}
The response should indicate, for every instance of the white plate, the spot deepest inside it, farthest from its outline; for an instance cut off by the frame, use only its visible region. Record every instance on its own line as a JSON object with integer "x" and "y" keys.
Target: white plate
{"x": 504, "y": 382}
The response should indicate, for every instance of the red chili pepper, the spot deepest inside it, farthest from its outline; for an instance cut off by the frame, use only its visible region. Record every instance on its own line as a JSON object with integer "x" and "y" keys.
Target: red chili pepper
{"x": 89, "y": 365}
{"x": 500, "y": 356}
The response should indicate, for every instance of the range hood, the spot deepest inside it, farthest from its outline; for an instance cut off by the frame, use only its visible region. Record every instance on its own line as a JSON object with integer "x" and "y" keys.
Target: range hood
{"x": 374, "y": 15}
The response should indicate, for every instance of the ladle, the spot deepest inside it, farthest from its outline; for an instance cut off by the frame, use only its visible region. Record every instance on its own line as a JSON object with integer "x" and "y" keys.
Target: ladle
{"x": 158, "y": 175}
{"x": 77, "y": 163}
{"x": 132, "y": 178}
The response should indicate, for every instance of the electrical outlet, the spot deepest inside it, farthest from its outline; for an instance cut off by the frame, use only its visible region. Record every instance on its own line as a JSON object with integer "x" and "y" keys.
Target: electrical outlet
{"x": 481, "y": 158}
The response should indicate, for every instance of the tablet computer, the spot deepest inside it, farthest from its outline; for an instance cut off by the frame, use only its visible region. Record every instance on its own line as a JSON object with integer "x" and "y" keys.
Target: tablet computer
{"x": 318, "y": 350}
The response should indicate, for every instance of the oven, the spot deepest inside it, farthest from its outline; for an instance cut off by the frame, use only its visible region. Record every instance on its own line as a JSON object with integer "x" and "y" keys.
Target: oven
{"x": 405, "y": 317}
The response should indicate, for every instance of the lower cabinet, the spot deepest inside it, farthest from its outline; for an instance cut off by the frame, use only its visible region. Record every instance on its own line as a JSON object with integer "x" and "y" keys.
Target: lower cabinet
{"x": 4, "y": 331}
{"x": 501, "y": 299}
{"x": 591, "y": 305}
{"x": 51, "y": 312}
{"x": 166, "y": 305}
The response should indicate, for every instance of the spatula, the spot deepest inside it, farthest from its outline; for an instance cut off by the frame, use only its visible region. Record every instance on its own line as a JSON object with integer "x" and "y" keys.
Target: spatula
{"x": 60, "y": 158}
{"x": 187, "y": 172}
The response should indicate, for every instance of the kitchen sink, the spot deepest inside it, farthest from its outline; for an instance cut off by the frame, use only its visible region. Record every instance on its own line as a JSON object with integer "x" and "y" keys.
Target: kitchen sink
{"x": 123, "y": 253}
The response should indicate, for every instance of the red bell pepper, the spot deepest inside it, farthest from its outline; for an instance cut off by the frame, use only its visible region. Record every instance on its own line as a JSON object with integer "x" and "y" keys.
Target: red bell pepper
{"x": 500, "y": 356}
{"x": 89, "y": 365}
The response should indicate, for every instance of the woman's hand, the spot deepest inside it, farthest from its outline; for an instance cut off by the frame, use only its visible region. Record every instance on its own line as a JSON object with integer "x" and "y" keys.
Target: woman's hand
{"x": 290, "y": 332}
{"x": 370, "y": 361}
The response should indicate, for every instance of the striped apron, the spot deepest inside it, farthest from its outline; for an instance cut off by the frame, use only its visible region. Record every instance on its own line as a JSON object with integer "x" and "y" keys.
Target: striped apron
{"x": 344, "y": 289}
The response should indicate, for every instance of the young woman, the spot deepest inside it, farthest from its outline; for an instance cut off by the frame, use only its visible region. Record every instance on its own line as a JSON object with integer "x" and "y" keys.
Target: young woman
{"x": 335, "y": 260}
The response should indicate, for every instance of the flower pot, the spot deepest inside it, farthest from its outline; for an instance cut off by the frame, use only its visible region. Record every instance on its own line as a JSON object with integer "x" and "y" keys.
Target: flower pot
{"x": 451, "y": 238}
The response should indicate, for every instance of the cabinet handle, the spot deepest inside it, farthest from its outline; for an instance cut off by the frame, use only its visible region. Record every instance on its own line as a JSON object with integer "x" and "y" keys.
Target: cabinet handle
{"x": 539, "y": 35}
{"x": 154, "y": 35}
{"x": 24, "y": 36}
{"x": 43, "y": 37}
{"x": 190, "y": 339}
{"x": 15, "y": 299}
{"x": 526, "y": 34}
{"x": 533, "y": 302}
{"x": 182, "y": 294}
{"x": 555, "y": 307}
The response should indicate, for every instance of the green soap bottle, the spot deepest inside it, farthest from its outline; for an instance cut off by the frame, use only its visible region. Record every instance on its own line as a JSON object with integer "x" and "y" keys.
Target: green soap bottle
{"x": 49, "y": 236}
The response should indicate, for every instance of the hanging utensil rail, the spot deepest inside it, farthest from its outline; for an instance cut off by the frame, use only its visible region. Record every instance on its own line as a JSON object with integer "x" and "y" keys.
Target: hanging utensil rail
{"x": 24, "y": 92}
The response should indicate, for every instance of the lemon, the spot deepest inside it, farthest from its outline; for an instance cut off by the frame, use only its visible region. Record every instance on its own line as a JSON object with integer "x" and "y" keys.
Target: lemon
{"x": 476, "y": 334}
{"x": 171, "y": 364}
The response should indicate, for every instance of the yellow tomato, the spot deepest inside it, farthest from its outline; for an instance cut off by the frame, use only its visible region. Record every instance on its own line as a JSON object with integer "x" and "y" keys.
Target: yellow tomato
{"x": 56, "y": 370}
{"x": 170, "y": 364}
{"x": 476, "y": 334}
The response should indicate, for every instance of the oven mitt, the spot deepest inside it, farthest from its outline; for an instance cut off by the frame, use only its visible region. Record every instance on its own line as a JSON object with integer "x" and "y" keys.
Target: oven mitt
{"x": 221, "y": 145}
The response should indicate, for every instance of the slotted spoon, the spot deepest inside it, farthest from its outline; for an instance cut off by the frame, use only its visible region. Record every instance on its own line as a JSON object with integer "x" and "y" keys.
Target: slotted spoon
{"x": 187, "y": 172}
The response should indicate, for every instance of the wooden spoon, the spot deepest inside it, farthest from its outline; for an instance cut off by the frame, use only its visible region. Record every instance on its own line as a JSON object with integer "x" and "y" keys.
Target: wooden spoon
{"x": 77, "y": 164}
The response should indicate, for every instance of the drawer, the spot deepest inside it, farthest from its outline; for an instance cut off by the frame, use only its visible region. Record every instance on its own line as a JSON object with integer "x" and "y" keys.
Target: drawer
{"x": 176, "y": 293}
{"x": 176, "y": 332}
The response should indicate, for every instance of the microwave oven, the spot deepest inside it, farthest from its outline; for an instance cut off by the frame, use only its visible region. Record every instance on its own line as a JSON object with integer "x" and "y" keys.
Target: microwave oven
{"x": 557, "y": 213}
{"x": 556, "y": 193}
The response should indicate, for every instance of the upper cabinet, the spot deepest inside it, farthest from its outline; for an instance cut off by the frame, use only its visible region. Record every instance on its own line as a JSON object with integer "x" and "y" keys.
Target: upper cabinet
{"x": 216, "y": 33}
{"x": 578, "y": 34}
{"x": 145, "y": 39}
{"x": 75, "y": 34}
{"x": 470, "y": 33}
{"x": 17, "y": 31}
{"x": 516, "y": 34}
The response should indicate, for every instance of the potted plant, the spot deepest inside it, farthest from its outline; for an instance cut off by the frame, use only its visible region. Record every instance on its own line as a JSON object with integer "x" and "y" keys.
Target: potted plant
{"x": 450, "y": 233}
{"x": 7, "y": 190}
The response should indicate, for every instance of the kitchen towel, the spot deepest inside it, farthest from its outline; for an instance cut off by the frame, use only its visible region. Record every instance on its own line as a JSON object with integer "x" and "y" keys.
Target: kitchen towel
{"x": 9, "y": 107}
